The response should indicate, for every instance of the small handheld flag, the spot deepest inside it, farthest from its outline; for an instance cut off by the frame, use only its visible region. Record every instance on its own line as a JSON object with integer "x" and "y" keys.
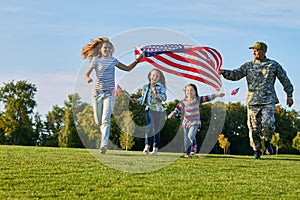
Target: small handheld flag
{"x": 119, "y": 90}
{"x": 235, "y": 91}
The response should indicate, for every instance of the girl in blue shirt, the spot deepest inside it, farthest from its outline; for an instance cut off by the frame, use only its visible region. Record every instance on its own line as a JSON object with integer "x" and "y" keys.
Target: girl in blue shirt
{"x": 153, "y": 94}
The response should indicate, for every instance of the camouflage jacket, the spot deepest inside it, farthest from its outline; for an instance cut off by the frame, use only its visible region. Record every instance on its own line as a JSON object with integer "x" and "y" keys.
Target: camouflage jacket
{"x": 261, "y": 76}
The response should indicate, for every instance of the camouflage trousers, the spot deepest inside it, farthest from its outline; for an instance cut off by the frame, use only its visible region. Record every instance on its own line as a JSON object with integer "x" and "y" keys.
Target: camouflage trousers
{"x": 260, "y": 122}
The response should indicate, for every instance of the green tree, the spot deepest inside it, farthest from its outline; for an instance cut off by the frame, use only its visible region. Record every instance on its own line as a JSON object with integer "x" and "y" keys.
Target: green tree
{"x": 38, "y": 127}
{"x": 68, "y": 135}
{"x": 128, "y": 127}
{"x": 2, "y": 136}
{"x": 139, "y": 118}
{"x": 287, "y": 124}
{"x": 276, "y": 142}
{"x": 88, "y": 130}
{"x": 52, "y": 126}
{"x": 171, "y": 130}
{"x": 16, "y": 120}
{"x": 296, "y": 141}
{"x": 235, "y": 128}
{"x": 121, "y": 106}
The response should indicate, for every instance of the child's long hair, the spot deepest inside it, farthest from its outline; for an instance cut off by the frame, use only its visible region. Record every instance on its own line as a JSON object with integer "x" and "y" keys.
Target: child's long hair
{"x": 162, "y": 79}
{"x": 192, "y": 85}
{"x": 93, "y": 49}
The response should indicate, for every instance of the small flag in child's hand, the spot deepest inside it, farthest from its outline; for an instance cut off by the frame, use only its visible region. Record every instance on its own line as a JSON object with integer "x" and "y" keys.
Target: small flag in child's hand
{"x": 118, "y": 90}
{"x": 235, "y": 91}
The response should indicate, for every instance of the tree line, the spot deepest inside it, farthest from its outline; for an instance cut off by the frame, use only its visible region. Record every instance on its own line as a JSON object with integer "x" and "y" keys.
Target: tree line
{"x": 72, "y": 125}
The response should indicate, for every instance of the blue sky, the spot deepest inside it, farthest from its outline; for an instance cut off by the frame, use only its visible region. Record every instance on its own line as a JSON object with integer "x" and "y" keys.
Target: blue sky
{"x": 41, "y": 40}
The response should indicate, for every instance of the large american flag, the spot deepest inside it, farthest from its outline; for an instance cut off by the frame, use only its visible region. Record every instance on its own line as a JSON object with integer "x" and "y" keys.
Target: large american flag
{"x": 199, "y": 63}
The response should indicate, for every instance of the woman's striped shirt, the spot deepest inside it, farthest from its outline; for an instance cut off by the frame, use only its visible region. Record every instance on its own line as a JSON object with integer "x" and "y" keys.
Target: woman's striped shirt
{"x": 105, "y": 73}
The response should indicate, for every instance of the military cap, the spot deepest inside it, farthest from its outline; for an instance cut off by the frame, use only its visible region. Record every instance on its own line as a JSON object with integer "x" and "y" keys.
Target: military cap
{"x": 259, "y": 45}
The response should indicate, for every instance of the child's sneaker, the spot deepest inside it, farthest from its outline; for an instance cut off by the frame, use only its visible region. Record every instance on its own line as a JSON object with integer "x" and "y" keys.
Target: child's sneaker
{"x": 146, "y": 149}
{"x": 186, "y": 155}
{"x": 155, "y": 150}
{"x": 256, "y": 154}
{"x": 193, "y": 150}
{"x": 269, "y": 148}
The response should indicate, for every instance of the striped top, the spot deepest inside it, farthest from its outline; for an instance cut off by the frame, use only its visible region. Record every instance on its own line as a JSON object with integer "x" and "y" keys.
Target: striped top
{"x": 190, "y": 110}
{"x": 105, "y": 73}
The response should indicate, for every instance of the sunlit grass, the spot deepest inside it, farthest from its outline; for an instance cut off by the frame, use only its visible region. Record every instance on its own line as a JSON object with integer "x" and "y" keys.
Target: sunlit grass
{"x": 62, "y": 173}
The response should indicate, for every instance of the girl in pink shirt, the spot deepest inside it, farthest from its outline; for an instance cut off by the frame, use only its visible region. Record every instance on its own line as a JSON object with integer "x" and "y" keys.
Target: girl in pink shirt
{"x": 189, "y": 107}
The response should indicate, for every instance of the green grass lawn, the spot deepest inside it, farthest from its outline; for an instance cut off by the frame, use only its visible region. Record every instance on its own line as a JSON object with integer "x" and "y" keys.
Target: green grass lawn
{"x": 65, "y": 173}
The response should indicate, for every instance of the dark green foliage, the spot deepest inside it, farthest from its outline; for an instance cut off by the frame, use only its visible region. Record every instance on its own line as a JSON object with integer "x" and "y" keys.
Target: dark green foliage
{"x": 20, "y": 125}
{"x": 52, "y": 126}
{"x": 171, "y": 128}
{"x": 87, "y": 129}
{"x": 235, "y": 128}
{"x": 16, "y": 121}
{"x": 287, "y": 125}
{"x": 68, "y": 135}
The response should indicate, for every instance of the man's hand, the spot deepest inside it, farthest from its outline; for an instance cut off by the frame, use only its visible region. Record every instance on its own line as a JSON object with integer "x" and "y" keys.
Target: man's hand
{"x": 221, "y": 71}
{"x": 289, "y": 102}
{"x": 220, "y": 95}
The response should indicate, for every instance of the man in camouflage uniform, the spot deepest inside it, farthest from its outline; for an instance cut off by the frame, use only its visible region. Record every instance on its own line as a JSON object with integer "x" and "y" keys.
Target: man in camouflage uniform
{"x": 261, "y": 74}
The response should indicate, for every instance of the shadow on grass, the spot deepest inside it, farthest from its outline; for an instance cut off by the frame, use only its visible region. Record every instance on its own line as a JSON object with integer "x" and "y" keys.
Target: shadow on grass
{"x": 274, "y": 157}
{"x": 263, "y": 157}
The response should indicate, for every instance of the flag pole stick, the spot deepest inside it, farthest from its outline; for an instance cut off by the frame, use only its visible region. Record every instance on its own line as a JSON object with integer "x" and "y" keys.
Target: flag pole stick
{"x": 128, "y": 95}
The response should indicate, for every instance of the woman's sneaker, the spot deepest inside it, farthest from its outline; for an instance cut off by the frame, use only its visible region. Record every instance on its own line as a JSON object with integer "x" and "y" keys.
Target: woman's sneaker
{"x": 146, "y": 149}
{"x": 155, "y": 150}
{"x": 269, "y": 148}
{"x": 103, "y": 150}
